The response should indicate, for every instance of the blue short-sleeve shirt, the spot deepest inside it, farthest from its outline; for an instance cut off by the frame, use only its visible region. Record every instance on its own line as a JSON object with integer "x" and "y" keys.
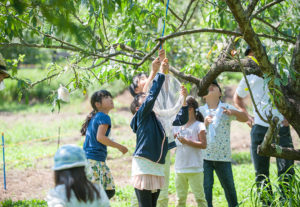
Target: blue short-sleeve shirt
{"x": 93, "y": 149}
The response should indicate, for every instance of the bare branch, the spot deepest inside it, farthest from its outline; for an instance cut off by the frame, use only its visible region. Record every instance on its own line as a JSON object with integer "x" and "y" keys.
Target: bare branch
{"x": 184, "y": 76}
{"x": 276, "y": 38}
{"x": 193, "y": 12}
{"x": 37, "y": 46}
{"x": 274, "y": 28}
{"x": 47, "y": 78}
{"x": 185, "y": 14}
{"x": 251, "y": 7}
{"x": 150, "y": 54}
{"x": 266, "y": 7}
{"x": 286, "y": 152}
{"x": 171, "y": 10}
{"x": 220, "y": 31}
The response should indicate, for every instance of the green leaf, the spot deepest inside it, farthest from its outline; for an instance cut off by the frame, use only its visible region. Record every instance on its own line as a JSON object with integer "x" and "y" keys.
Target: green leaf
{"x": 277, "y": 82}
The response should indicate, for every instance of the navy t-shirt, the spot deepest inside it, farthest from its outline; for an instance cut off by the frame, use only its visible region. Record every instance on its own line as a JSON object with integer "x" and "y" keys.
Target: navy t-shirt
{"x": 93, "y": 149}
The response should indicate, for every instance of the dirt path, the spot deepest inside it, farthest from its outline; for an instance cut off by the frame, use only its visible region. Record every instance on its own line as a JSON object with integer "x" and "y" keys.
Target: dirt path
{"x": 34, "y": 183}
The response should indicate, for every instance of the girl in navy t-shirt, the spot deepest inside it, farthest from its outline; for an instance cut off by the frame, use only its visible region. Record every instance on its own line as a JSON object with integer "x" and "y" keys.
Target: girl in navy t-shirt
{"x": 97, "y": 128}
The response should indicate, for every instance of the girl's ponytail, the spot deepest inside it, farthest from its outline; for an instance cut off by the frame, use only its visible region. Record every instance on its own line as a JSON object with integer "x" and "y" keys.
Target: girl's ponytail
{"x": 96, "y": 97}
{"x": 86, "y": 122}
{"x": 191, "y": 102}
{"x": 199, "y": 116}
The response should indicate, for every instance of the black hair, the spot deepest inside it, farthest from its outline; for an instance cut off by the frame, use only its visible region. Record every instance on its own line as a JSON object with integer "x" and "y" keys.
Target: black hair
{"x": 192, "y": 103}
{"x": 135, "y": 103}
{"x": 134, "y": 84}
{"x": 96, "y": 97}
{"x": 75, "y": 179}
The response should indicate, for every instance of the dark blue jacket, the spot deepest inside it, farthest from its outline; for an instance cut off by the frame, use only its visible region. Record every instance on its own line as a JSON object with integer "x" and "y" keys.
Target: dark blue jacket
{"x": 149, "y": 131}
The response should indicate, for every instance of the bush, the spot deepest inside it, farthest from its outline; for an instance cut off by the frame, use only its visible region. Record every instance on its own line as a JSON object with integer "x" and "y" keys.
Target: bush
{"x": 241, "y": 158}
{"x": 26, "y": 203}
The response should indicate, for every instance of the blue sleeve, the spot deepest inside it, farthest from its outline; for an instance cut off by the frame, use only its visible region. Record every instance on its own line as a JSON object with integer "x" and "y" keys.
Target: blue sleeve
{"x": 103, "y": 119}
{"x": 182, "y": 117}
{"x": 147, "y": 106}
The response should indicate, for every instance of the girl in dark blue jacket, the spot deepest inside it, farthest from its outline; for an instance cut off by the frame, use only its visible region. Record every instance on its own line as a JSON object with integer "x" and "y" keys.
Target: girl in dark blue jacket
{"x": 151, "y": 144}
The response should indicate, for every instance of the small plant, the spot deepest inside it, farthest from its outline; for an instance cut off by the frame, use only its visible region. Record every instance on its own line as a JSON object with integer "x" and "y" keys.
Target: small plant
{"x": 282, "y": 192}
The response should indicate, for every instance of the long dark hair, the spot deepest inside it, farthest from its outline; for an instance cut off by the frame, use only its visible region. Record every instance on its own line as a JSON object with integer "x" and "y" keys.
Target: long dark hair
{"x": 96, "y": 97}
{"x": 192, "y": 103}
{"x": 76, "y": 180}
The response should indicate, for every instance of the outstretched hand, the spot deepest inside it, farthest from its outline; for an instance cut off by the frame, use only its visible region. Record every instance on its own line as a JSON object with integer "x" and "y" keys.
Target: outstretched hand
{"x": 164, "y": 67}
{"x": 155, "y": 65}
{"x": 161, "y": 54}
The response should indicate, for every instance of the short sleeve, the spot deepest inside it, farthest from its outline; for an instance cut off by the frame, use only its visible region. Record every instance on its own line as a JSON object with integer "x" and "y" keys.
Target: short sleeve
{"x": 103, "y": 119}
{"x": 201, "y": 127}
{"x": 231, "y": 107}
{"x": 242, "y": 89}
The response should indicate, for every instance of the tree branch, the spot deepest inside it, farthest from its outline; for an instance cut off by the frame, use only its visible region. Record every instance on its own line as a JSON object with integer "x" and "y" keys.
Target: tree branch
{"x": 266, "y": 7}
{"x": 171, "y": 10}
{"x": 193, "y": 12}
{"x": 37, "y": 46}
{"x": 274, "y": 28}
{"x": 251, "y": 7}
{"x": 185, "y": 15}
{"x": 250, "y": 36}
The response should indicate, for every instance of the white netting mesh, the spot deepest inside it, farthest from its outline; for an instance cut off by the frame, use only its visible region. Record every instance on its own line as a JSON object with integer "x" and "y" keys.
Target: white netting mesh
{"x": 168, "y": 104}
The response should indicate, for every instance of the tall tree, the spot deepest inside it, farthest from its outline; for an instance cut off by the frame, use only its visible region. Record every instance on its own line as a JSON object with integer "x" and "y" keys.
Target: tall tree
{"x": 111, "y": 39}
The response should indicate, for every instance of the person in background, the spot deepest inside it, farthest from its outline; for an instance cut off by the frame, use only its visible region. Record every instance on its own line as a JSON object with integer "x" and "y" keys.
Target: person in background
{"x": 259, "y": 128}
{"x": 3, "y": 72}
{"x": 72, "y": 188}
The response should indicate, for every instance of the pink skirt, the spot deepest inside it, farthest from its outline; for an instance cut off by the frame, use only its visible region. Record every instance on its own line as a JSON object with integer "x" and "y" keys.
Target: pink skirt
{"x": 148, "y": 182}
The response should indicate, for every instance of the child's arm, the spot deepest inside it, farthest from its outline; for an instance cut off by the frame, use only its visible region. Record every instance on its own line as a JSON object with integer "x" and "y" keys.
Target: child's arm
{"x": 240, "y": 116}
{"x": 201, "y": 143}
{"x": 158, "y": 81}
{"x": 183, "y": 115}
{"x": 106, "y": 141}
{"x": 155, "y": 67}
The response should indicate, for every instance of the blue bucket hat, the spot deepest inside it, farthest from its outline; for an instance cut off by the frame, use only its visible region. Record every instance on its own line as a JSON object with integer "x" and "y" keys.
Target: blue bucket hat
{"x": 69, "y": 156}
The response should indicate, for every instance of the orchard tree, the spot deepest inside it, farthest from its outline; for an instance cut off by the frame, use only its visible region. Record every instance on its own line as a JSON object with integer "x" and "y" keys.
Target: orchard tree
{"x": 114, "y": 39}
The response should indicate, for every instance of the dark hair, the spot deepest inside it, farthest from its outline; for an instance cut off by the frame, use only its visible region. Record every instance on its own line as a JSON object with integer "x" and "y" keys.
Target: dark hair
{"x": 75, "y": 179}
{"x": 134, "y": 84}
{"x": 192, "y": 103}
{"x": 135, "y": 103}
{"x": 96, "y": 97}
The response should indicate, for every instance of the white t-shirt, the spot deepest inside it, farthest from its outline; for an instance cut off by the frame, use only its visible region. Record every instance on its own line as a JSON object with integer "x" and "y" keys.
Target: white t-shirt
{"x": 57, "y": 198}
{"x": 220, "y": 149}
{"x": 189, "y": 159}
{"x": 261, "y": 97}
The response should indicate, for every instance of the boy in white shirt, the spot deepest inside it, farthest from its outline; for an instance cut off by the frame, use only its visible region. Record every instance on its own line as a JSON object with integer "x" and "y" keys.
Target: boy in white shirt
{"x": 260, "y": 92}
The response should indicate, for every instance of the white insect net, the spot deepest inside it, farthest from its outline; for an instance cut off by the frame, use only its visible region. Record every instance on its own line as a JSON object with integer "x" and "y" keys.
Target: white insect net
{"x": 168, "y": 104}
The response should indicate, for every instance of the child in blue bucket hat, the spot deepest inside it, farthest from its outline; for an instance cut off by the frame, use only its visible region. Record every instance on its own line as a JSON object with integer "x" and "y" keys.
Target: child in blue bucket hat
{"x": 72, "y": 188}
